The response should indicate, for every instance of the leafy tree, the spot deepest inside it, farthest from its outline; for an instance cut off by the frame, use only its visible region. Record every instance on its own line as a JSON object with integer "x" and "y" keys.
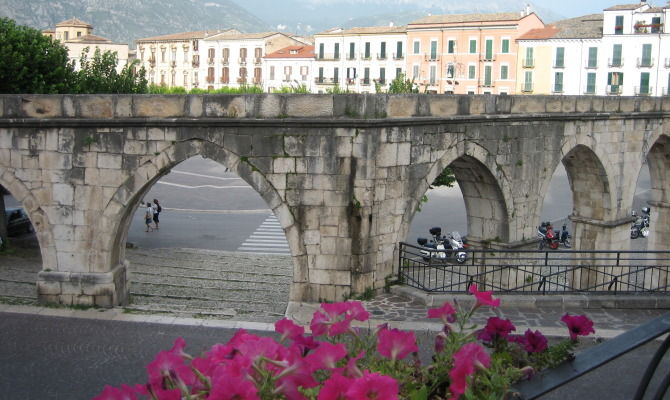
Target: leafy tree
{"x": 445, "y": 178}
{"x": 338, "y": 90}
{"x": 99, "y": 75}
{"x": 401, "y": 84}
{"x": 32, "y": 62}
{"x": 298, "y": 88}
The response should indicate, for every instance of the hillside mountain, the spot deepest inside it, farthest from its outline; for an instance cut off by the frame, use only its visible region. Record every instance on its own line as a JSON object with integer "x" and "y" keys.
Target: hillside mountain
{"x": 125, "y": 21}
{"x": 313, "y": 16}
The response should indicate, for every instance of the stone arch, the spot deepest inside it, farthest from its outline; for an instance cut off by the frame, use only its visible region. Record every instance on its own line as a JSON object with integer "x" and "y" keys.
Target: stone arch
{"x": 658, "y": 158}
{"x": 109, "y": 249}
{"x": 38, "y": 216}
{"x": 486, "y": 200}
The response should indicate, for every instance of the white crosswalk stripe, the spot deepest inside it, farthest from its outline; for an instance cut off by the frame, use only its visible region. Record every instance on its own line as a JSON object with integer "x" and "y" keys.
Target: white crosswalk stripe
{"x": 268, "y": 238}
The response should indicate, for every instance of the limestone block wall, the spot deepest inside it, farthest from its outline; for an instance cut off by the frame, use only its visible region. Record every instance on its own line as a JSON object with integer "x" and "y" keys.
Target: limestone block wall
{"x": 344, "y": 174}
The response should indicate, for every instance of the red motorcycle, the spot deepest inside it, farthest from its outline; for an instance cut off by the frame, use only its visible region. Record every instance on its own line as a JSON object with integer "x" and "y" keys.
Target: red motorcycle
{"x": 551, "y": 239}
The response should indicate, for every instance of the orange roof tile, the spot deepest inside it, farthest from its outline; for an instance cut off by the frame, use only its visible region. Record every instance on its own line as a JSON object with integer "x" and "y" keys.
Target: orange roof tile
{"x": 293, "y": 52}
{"x": 184, "y": 35}
{"x": 541, "y": 33}
{"x": 74, "y": 22}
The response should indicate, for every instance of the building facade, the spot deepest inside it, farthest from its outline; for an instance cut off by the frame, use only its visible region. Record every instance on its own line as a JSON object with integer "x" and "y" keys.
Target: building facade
{"x": 234, "y": 59}
{"x": 291, "y": 66}
{"x": 78, "y": 35}
{"x": 623, "y": 51}
{"x": 467, "y": 53}
{"x": 361, "y": 60}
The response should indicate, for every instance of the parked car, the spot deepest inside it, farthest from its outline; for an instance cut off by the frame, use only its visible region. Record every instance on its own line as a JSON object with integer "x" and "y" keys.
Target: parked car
{"x": 17, "y": 221}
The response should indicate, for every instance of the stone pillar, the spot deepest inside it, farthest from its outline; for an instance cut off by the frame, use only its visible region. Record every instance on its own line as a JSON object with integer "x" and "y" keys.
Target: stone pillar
{"x": 598, "y": 235}
{"x": 659, "y": 239}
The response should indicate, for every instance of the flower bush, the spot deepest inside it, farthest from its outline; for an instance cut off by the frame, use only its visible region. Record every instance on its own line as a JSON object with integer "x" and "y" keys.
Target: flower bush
{"x": 339, "y": 361}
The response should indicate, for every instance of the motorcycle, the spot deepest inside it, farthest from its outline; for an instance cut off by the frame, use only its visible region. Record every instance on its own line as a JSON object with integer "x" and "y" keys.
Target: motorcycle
{"x": 446, "y": 246}
{"x": 551, "y": 239}
{"x": 640, "y": 227}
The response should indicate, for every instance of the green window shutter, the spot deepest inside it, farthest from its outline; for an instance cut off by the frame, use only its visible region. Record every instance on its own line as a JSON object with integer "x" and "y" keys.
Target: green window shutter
{"x": 451, "y": 48}
{"x": 528, "y": 81}
{"x": 504, "y": 71}
{"x": 432, "y": 74}
{"x": 320, "y": 73}
{"x": 321, "y": 50}
{"x": 473, "y": 46}
{"x": 415, "y": 72}
{"x": 591, "y": 83}
{"x": 618, "y": 25}
{"x": 646, "y": 55}
{"x": 433, "y": 50}
{"x": 383, "y": 50}
{"x": 560, "y": 57}
{"x": 398, "y": 50}
{"x": 558, "y": 82}
{"x": 352, "y": 51}
{"x": 489, "y": 49}
{"x": 644, "y": 83}
{"x": 616, "y": 55}
{"x": 382, "y": 74}
{"x": 505, "y": 46}
{"x": 337, "y": 51}
{"x": 367, "y": 49}
{"x": 529, "y": 57}
{"x": 417, "y": 47}
{"x": 487, "y": 75}
{"x": 336, "y": 75}
{"x": 471, "y": 72}
{"x": 593, "y": 57}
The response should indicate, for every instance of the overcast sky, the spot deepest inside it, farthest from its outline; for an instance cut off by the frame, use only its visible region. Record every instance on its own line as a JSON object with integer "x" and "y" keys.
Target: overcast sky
{"x": 575, "y": 8}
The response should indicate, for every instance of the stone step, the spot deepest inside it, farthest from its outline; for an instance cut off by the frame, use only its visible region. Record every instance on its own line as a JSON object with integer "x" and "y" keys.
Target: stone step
{"x": 198, "y": 273}
{"x": 241, "y": 294}
{"x": 18, "y": 289}
{"x": 241, "y": 306}
{"x": 182, "y": 311}
{"x": 210, "y": 264}
{"x": 18, "y": 275}
{"x": 199, "y": 284}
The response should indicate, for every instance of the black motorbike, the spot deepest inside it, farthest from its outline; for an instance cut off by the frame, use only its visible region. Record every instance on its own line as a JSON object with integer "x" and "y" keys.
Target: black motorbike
{"x": 444, "y": 247}
{"x": 640, "y": 227}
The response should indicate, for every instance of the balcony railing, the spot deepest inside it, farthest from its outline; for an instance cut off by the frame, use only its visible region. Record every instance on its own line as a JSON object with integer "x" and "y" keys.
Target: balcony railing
{"x": 257, "y": 81}
{"x": 645, "y": 62}
{"x": 320, "y": 80}
{"x": 528, "y": 62}
{"x": 224, "y": 61}
{"x": 328, "y": 57}
{"x": 242, "y": 61}
{"x": 350, "y": 81}
{"x": 195, "y": 64}
{"x": 381, "y": 56}
{"x": 399, "y": 56}
{"x": 365, "y": 56}
{"x": 225, "y": 80}
{"x": 431, "y": 57}
{"x": 614, "y": 89}
{"x": 643, "y": 91}
{"x": 258, "y": 60}
{"x": 241, "y": 80}
{"x": 559, "y": 65}
{"x": 590, "y": 90}
{"x": 173, "y": 64}
{"x": 527, "y": 87}
{"x": 665, "y": 91}
{"x": 487, "y": 84}
{"x": 210, "y": 60}
{"x": 558, "y": 89}
{"x": 490, "y": 57}
{"x": 381, "y": 81}
{"x": 648, "y": 28}
{"x": 365, "y": 81}
{"x": 351, "y": 56}
{"x": 615, "y": 62}
{"x": 592, "y": 65}
{"x": 210, "y": 79}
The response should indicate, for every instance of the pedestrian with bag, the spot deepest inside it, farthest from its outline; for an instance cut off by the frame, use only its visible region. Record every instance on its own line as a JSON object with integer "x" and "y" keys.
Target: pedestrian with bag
{"x": 156, "y": 211}
{"x": 148, "y": 217}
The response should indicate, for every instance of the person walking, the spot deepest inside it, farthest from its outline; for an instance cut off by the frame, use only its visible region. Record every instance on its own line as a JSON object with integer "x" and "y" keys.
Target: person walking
{"x": 156, "y": 211}
{"x": 148, "y": 217}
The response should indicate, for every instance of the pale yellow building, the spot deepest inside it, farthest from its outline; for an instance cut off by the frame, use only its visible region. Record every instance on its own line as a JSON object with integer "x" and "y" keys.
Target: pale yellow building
{"x": 77, "y": 35}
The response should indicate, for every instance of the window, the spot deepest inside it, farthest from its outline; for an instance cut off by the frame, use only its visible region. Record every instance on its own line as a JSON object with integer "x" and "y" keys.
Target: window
{"x": 593, "y": 57}
{"x": 78, "y": 34}
{"x": 646, "y": 56}
{"x": 618, "y": 25}
{"x": 528, "y": 82}
{"x": 487, "y": 76}
{"x": 616, "y": 55}
{"x": 272, "y": 72}
{"x": 321, "y": 45}
{"x": 226, "y": 54}
{"x": 195, "y": 48}
{"x": 591, "y": 83}
{"x": 185, "y": 55}
{"x": 529, "y": 61}
{"x": 489, "y": 49}
{"x": 382, "y": 75}
{"x": 288, "y": 71}
{"x": 433, "y": 70}
{"x": 417, "y": 47}
{"x": 304, "y": 71}
{"x": 655, "y": 24}
{"x": 225, "y": 75}
{"x": 471, "y": 72}
{"x": 558, "y": 82}
{"x": 473, "y": 46}
{"x": 366, "y": 76}
{"x": 258, "y": 53}
{"x": 351, "y": 74}
{"x": 336, "y": 75}
{"x": 415, "y": 71}
{"x": 614, "y": 82}
{"x": 211, "y": 53}
{"x": 367, "y": 51}
{"x": 450, "y": 70}
{"x": 398, "y": 71}
{"x": 163, "y": 55}
{"x": 398, "y": 49}
{"x": 433, "y": 49}
{"x": 504, "y": 48}
{"x": 560, "y": 58}
{"x": 382, "y": 51}
{"x": 352, "y": 50}
{"x": 320, "y": 75}
{"x": 451, "y": 46}
{"x": 504, "y": 72}
{"x": 210, "y": 75}
{"x": 243, "y": 53}
{"x": 174, "y": 55}
{"x": 67, "y": 35}
{"x": 257, "y": 75}
{"x": 644, "y": 83}
{"x": 337, "y": 51}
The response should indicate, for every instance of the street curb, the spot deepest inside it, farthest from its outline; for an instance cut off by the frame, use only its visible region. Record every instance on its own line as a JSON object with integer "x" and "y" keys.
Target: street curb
{"x": 556, "y": 301}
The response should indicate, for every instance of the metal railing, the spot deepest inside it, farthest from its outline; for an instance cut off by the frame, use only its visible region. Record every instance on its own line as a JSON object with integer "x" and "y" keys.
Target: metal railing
{"x": 536, "y": 272}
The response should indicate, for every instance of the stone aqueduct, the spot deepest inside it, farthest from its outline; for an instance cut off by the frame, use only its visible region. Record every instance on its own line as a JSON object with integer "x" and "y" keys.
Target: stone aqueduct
{"x": 344, "y": 174}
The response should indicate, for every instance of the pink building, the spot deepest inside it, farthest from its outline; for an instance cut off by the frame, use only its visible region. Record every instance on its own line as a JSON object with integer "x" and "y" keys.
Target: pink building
{"x": 467, "y": 53}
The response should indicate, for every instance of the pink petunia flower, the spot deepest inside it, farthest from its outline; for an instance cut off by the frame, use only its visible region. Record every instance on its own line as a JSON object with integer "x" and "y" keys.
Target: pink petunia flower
{"x": 466, "y": 359}
{"x": 395, "y": 344}
{"x": 124, "y": 393}
{"x": 578, "y": 325}
{"x": 231, "y": 387}
{"x": 336, "y": 318}
{"x": 446, "y": 313}
{"x": 288, "y": 329}
{"x": 496, "y": 328}
{"x": 335, "y": 388}
{"x": 373, "y": 386}
{"x": 168, "y": 364}
{"x": 534, "y": 342}
{"x": 326, "y": 356}
{"x": 484, "y": 298}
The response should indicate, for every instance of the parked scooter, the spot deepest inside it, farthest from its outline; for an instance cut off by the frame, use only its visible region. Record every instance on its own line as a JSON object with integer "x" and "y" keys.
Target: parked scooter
{"x": 453, "y": 246}
{"x": 640, "y": 227}
{"x": 551, "y": 239}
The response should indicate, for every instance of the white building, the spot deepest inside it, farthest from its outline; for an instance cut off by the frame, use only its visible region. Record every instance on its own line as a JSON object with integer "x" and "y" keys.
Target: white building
{"x": 357, "y": 59}
{"x": 625, "y": 51}
{"x": 78, "y": 35}
{"x": 291, "y": 66}
{"x": 174, "y": 59}
{"x": 234, "y": 59}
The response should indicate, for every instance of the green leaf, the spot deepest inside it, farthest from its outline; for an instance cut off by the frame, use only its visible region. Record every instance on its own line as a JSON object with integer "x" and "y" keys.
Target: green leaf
{"x": 419, "y": 394}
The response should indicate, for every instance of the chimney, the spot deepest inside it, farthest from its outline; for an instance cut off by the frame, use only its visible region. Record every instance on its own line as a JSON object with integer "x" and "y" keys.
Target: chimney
{"x": 527, "y": 9}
